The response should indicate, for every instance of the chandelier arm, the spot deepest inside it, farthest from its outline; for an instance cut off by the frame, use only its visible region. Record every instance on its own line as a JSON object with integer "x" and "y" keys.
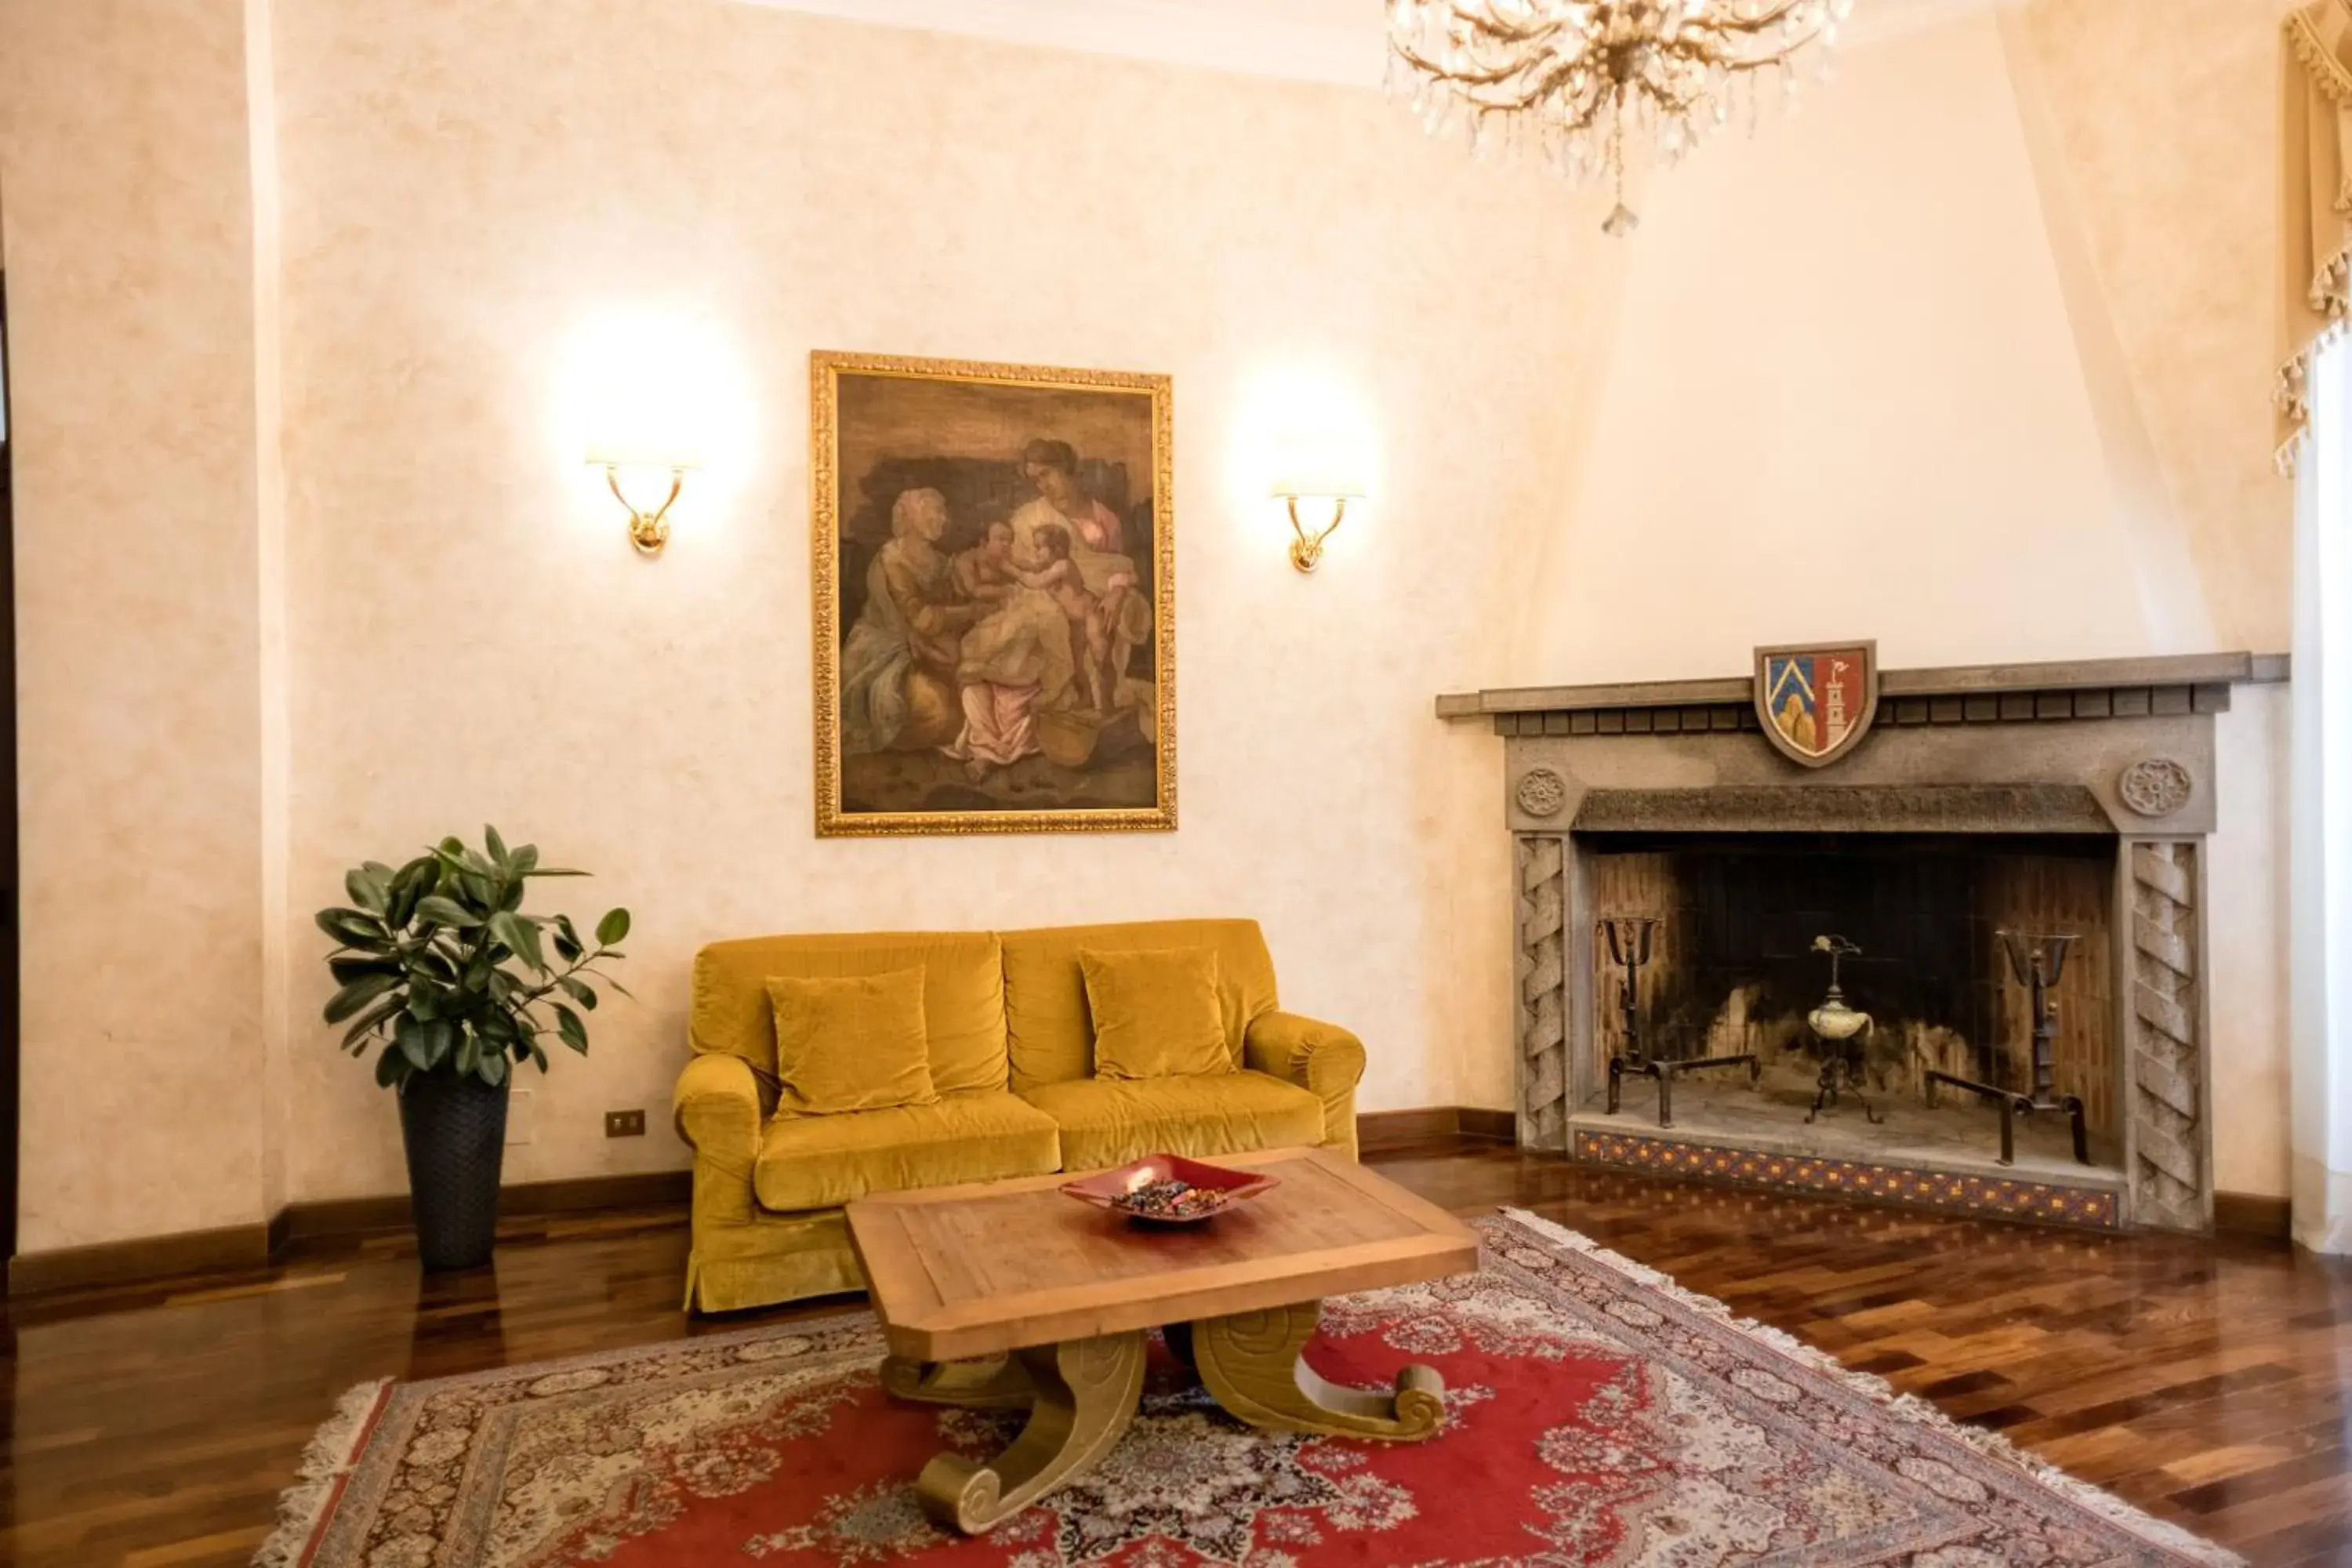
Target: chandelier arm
{"x": 1494, "y": 28}
{"x": 1763, "y": 21}
{"x": 1456, "y": 79}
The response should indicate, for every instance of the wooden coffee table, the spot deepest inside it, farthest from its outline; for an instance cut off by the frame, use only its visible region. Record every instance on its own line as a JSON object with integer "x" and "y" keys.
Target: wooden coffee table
{"x": 1007, "y": 1294}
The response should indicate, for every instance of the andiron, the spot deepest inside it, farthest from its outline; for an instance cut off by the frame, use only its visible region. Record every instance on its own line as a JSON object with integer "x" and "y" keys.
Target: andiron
{"x": 1629, "y": 939}
{"x": 1838, "y": 1028}
{"x": 2036, "y": 960}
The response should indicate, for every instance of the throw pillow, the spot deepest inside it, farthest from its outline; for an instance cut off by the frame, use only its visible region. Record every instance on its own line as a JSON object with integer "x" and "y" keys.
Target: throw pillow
{"x": 856, "y": 1042}
{"x": 1155, "y": 1012}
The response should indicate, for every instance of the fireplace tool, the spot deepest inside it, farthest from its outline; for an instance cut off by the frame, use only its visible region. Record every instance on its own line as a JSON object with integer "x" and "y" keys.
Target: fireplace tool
{"x": 1628, "y": 938}
{"x": 1840, "y": 1030}
{"x": 2036, "y": 959}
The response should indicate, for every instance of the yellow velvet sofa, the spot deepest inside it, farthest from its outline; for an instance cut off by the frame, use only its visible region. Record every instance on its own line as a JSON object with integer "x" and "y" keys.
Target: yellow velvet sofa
{"x": 1011, "y": 1055}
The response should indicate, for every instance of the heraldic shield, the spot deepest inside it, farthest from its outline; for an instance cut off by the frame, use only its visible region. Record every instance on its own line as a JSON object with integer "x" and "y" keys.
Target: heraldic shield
{"x": 1816, "y": 702}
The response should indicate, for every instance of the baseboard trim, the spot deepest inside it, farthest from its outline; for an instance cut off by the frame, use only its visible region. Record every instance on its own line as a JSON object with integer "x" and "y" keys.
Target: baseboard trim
{"x": 2254, "y": 1214}
{"x": 139, "y": 1259}
{"x": 148, "y": 1258}
{"x": 1380, "y": 1132}
{"x": 577, "y": 1194}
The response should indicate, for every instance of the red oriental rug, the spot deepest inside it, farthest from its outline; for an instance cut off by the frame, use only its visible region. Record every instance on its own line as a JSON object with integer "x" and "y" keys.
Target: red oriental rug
{"x": 1596, "y": 1415}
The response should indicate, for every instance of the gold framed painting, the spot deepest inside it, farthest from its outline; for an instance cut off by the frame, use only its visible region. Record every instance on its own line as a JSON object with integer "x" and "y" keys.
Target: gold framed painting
{"x": 995, "y": 586}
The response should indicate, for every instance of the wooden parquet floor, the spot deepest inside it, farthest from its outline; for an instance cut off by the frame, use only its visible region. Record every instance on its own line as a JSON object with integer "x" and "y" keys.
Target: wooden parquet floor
{"x": 2209, "y": 1383}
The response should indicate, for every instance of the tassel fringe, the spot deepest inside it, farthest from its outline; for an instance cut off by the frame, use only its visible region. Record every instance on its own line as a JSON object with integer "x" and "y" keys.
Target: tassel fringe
{"x": 326, "y": 1461}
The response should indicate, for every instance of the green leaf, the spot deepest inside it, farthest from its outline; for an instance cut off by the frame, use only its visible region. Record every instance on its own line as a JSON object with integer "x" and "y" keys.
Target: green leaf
{"x": 410, "y": 1038}
{"x": 448, "y": 912}
{"x": 525, "y": 857}
{"x": 469, "y": 1055}
{"x": 433, "y": 961}
{"x": 574, "y": 1032}
{"x": 510, "y": 894}
{"x": 496, "y": 846}
{"x": 346, "y": 970}
{"x": 521, "y": 936}
{"x": 353, "y": 929}
{"x": 579, "y": 992}
{"x": 391, "y": 1067}
{"x": 410, "y": 883}
{"x": 566, "y": 948}
{"x": 354, "y": 1036}
{"x": 492, "y": 1067}
{"x": 538, "y": 1056}
{"x": 557, "y": 871}
{"x": 613, "y": 927}
{"x": 351, "y": 998}
{"x": 366, "y": 891}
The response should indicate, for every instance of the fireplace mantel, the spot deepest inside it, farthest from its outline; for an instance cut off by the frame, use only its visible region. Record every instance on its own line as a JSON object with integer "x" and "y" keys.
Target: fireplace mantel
{"x": 2116, "y": 747}
{"x": 2192, "y": 678}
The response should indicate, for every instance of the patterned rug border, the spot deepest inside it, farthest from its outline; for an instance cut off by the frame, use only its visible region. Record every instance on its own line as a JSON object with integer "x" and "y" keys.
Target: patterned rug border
{"x": 334, "y": 1452}
{"x": 1878, "y": 1390}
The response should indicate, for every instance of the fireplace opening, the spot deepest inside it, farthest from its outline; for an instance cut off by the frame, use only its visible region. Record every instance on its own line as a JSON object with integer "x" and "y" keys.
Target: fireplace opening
{"x": 1742, "y": 929}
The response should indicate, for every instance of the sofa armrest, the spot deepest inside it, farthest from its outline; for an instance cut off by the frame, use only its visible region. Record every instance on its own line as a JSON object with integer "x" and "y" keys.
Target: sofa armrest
{"x": 717, "y": 1110}
{"x": 1322, "y": 1058}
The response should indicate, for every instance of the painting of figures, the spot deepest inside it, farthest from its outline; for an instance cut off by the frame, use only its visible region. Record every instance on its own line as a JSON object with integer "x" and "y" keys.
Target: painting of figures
{"x": 995, "y": 595}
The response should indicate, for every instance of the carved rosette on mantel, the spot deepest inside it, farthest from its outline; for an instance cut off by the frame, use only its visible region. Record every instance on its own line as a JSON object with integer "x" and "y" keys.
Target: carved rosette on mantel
{"x": 2122, "y": 749}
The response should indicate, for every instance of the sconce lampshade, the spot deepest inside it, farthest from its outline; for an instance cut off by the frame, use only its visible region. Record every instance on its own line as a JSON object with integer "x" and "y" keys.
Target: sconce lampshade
{"x": 1330, "y": 481}
{"x": 642, "y": 454}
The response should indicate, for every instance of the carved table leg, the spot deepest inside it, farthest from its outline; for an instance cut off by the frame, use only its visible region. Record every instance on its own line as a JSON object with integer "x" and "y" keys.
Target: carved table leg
{"x": 999, "y": 1383}
{"x": 1251, "y": 1363}
{"x": 1083, "y": 1394}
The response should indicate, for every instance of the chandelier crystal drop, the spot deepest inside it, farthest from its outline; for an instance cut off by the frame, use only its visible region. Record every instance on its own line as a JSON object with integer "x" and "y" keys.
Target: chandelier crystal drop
{"x": 1572, "y": 79}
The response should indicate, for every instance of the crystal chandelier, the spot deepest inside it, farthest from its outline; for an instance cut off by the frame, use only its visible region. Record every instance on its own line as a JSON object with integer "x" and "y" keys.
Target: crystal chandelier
{"x": 1572, "y": 78}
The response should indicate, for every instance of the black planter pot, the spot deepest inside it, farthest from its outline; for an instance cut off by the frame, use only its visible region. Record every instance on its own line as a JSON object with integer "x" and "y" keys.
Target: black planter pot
{"x": 456, "y": 1132}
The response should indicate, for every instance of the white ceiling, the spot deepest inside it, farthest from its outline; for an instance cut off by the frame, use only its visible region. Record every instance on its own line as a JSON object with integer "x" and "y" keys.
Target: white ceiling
{"x": 1316, "y": 40}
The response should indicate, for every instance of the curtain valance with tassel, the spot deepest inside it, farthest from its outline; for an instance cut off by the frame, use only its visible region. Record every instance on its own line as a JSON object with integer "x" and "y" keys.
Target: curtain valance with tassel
{"x": 2315, "y": 201}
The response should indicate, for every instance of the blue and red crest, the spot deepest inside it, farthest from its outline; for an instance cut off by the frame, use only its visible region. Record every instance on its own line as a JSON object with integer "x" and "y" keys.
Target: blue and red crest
{"x": 1816, "y": 702}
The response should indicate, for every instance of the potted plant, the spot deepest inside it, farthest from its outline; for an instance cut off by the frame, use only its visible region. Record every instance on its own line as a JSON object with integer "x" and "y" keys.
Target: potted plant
{"x": 437, "y": 964}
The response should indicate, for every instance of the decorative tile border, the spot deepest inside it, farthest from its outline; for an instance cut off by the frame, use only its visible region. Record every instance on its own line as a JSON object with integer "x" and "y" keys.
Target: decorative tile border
{"x": 1950, "y": 1191}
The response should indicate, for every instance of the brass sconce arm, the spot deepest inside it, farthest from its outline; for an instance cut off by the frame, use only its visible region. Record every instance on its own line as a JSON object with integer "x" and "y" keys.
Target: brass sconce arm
{"x": 1306, "y": 550}
{"x": 648, "y": 530}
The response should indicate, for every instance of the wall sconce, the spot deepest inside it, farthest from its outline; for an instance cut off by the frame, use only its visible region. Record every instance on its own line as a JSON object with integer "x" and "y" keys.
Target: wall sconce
{"x": 1306, "y": 549}
{"x": 648, "y": 530}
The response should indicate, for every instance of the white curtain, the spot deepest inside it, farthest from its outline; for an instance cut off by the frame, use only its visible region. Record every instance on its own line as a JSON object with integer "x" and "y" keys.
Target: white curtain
{"x": 2321, "y": 877}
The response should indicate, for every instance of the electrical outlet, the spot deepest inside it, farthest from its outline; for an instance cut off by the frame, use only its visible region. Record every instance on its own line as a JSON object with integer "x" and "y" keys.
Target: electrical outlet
{"x": 625, "y": 1124}
{"x": 520, "y": 1123}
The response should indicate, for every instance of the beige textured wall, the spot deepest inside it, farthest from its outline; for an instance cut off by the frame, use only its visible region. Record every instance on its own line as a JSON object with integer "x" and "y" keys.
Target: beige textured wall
{"x": 1983, "y": 383}
{"x": 2167, "y": 120}
{"x": 128, "y": 244}
{"x": 467, "y": 186}
{"x": 1981, "y": 340}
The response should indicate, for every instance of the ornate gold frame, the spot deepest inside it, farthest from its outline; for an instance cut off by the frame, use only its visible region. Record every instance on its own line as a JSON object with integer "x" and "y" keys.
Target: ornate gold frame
{"x": 825, "y": 369}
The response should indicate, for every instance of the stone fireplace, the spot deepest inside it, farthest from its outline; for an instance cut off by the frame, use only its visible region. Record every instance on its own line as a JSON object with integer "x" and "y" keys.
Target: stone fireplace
{"x": 2055, "y": 797}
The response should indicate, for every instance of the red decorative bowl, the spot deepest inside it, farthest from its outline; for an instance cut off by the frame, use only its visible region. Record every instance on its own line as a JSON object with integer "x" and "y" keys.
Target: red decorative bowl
{"x": 1148, "y": 1191}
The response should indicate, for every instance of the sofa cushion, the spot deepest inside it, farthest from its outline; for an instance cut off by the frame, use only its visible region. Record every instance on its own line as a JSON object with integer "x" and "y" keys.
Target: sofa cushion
{"x": 851, "y": 1043}
{"x": 978, "y": 1135}
{"x": 1155, "y": 1012}
{"x": 1047, "y": 1029}
{"x": 1108, "y": 1121}
{"x": 963, "y": 995}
